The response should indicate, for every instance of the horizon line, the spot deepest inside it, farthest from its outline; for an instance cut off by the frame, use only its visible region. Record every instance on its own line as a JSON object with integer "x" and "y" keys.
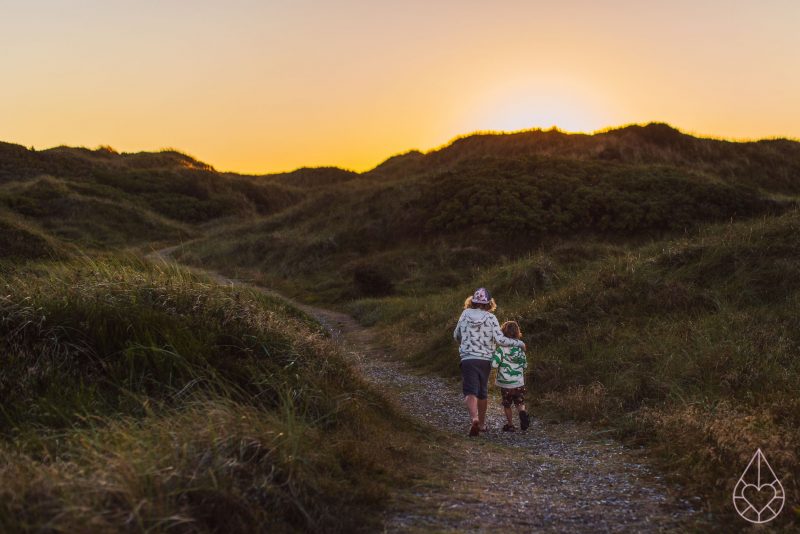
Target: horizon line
{"x": 450, "y": 142}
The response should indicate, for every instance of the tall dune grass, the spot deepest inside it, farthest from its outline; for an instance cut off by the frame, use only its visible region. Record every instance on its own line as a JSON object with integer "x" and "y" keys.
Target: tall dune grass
{"x": 147, "y": 398}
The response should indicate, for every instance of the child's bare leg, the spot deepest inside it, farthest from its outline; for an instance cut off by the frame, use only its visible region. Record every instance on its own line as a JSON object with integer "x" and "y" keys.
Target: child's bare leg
{"x": 472, "y": 406}
{"x": 521, "y": 407}
{"x": 482, "y": 404}
{"x": 509, "y": 415}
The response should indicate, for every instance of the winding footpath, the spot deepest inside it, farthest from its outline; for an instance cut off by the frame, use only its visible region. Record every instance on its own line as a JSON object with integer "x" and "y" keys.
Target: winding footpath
{"x": 553, "y": 478}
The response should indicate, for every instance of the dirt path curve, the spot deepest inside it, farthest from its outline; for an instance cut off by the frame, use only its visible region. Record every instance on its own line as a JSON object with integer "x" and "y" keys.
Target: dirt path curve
{"x": 553, "y": 478}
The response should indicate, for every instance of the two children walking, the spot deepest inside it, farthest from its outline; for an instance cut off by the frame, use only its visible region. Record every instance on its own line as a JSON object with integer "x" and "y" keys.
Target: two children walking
{"x": 484, "y": 345}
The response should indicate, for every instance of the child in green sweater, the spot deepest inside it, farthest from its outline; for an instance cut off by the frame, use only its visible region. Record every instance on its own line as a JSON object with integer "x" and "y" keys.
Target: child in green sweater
{"x": 511, "y": 363}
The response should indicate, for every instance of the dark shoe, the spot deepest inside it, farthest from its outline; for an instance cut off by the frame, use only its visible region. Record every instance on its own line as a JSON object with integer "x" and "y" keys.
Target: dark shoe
{"x": 474, "y": 430}
{"x": 509, "y": 428}
{"x": 524, "y": 420}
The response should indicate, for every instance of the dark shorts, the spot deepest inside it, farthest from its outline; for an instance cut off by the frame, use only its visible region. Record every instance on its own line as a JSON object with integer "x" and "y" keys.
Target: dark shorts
{"x": 513, "y": 395}
{"x": 475, "y": 377}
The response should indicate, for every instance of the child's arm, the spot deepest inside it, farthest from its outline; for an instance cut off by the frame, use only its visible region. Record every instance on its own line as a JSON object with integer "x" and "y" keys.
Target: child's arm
{"x": 500, "y": 339}
{"x": 497, "y": 357}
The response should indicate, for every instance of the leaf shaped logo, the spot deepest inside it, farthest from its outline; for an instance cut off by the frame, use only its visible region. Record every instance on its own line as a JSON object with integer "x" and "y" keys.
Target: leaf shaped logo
{"x": 758, "y": 495}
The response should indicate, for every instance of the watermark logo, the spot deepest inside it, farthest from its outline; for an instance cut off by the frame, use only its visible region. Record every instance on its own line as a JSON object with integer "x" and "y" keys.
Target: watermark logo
{"x": 758, "y": 495}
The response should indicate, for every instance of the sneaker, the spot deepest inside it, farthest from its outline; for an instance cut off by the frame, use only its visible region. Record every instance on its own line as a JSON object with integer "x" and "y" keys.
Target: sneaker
{"x": 524, "y": 420}
{"x": 509, "y": 428}
{"x": 474, "y": 430}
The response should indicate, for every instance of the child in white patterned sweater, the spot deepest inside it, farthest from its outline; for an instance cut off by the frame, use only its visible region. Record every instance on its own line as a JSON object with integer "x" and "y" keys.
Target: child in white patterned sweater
{"x": 511, "y": 363}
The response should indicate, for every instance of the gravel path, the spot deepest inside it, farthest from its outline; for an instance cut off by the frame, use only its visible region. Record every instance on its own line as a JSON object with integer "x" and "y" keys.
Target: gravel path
{"x": 553, "y": 478}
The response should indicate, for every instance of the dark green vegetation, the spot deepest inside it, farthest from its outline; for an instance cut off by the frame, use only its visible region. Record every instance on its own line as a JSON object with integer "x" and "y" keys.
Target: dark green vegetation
{"x": 419, "y": 222}
{"x": 19, "y": 241}
{"x": 100, "y": 199}
{"x": 654, "y": 275}
{"x": 145, "y": 398}
{"x": 688, "y": 345}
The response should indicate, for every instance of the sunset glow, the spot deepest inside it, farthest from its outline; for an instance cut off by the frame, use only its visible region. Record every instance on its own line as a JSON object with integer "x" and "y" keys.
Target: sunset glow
{"x": 257, "y": 87}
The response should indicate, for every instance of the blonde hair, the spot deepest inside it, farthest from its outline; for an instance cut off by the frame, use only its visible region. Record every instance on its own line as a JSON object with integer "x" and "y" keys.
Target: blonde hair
{"x": 491, "y": 307}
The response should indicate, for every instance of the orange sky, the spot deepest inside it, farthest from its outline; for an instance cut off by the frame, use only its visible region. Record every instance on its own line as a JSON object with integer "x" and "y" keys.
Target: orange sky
{"x": 264, "y": 86}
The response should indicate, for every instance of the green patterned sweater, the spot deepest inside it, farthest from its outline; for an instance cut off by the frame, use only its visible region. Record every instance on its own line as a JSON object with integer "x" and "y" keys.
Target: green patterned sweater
{"x": 510, "y": 363}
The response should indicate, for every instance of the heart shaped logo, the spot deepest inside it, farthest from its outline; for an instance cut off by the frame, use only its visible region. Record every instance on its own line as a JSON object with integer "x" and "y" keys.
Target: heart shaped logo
{"x": 758, "y": 495}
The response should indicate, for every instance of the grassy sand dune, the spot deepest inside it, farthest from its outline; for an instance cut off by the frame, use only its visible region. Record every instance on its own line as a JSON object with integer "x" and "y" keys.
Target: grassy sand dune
{"x": 102, "y": 200}
{"x": 21, "y": 241}
{"x": 654, "y": 274}
{"x": 147, "y": 398}
{"x": 688, "y": 345}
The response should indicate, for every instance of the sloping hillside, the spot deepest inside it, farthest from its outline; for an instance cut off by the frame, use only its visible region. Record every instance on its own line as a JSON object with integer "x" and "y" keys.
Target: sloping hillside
{"x": 772, "y": 164}
{"x": 654, "y": 275}
{"x": 632, "y": 181}
{"x": 656, "y": 284}
{"x": 426, "y": 219}
{"x": 101, "y": 199}
{"x": 689, "y": 345}
{"x": 145, "y": 398}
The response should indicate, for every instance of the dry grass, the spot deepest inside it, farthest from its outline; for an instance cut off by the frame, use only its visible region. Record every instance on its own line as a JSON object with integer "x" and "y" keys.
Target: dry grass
{"x": 149, "y": 399}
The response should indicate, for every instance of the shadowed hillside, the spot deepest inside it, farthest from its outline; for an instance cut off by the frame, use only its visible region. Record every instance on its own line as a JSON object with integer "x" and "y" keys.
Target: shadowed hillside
{"x": 687, "y": 345}
{"x": 311, "y": 177}
{"x": 633, "y": 181}
{"x": 19, "y": 241}
{"x": 101, "y": 199}
{"x": 773, "y": 164}
{"x": 653, "y": 273}
{"x": 144, "y": 398}
{"x": 423, "y": 219}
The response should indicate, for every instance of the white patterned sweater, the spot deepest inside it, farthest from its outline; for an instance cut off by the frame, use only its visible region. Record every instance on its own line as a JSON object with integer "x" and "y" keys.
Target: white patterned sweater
{"x": 479, "y": 334}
